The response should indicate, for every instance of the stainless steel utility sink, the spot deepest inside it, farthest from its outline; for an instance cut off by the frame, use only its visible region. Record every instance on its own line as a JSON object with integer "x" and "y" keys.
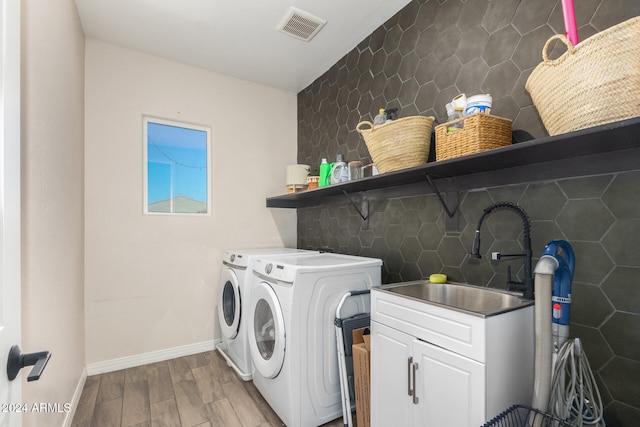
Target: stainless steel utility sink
{"x": 462, "y": 297}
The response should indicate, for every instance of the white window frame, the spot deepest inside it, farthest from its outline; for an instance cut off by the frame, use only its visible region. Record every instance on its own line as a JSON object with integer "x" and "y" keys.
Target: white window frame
{"x": 146, "y": 119}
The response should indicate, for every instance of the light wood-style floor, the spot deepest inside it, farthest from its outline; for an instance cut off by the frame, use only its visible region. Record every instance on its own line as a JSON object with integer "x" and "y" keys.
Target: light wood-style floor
{"x": 198, "y": 390}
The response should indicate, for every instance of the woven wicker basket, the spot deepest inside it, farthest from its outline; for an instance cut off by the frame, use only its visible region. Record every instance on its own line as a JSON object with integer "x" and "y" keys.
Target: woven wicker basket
{"x": 401, "y": 144}
{"x": 481, "y": 132}
{"x": 593, "y": 83}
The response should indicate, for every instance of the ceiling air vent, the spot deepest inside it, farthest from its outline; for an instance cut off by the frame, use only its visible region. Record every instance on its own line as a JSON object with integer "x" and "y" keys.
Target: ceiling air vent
{"x": 300, "y": 24}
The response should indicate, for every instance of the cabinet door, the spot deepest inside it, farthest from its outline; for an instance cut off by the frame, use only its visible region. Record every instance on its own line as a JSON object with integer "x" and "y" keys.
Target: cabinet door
{"x": 450, "y": 388}
{"x": 390, "y": 353}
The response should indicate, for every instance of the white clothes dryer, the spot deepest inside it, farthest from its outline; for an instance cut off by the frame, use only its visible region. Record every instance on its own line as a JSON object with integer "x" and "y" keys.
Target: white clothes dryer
{"x": 233, "y": 297}
{"x": 292, "y": 335}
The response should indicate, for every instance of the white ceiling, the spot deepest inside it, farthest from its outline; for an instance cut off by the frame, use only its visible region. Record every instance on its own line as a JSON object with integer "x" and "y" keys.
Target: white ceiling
{"x": 237, "y": 37}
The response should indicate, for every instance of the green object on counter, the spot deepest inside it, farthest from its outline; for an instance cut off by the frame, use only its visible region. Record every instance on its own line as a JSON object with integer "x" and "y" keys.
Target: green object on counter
{"x": 325, "y": 173}
{"x": 438, "y": 278}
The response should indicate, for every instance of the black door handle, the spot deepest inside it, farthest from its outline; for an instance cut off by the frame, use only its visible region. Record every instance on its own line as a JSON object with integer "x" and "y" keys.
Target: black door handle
{"x": 18, "y": 360}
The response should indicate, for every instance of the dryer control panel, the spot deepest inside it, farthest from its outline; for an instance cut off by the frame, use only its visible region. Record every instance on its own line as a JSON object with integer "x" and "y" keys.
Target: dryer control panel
{"x": 274, "y": 271}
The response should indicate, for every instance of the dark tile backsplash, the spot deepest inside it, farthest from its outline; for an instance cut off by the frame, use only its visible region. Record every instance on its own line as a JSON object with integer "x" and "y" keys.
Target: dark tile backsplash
{"x": 417, "y": 61}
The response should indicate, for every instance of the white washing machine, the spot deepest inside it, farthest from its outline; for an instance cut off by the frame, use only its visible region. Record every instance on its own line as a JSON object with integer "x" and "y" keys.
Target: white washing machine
{"x": 292, "y": 335}
{"x": 233, "y": 297}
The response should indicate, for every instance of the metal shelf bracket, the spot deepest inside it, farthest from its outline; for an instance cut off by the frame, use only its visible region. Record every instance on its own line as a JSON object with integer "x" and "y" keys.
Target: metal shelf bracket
{"x": 451, "y": 221}
{"x": 363, "y": 210}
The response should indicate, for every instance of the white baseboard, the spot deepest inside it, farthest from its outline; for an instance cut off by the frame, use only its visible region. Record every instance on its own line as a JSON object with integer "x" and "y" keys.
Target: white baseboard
{"x": 151, "y": 357}
{"x": 76, "y": 398}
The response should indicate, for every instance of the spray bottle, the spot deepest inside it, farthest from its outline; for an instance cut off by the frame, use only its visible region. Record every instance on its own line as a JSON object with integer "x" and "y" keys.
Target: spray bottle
{"x": 390, "y": 113}
{"x": 380, "y": 118}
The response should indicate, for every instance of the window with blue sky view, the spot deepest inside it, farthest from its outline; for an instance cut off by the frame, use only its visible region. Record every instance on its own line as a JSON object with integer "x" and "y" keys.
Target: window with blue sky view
{"x": 177, "y": 167}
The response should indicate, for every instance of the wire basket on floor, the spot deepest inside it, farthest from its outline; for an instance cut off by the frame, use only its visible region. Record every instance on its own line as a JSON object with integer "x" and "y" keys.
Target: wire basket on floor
{"x": 525, "y": 416}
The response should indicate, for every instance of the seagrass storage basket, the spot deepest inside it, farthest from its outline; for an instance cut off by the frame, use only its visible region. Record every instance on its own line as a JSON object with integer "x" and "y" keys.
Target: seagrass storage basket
{"x": 400, "y": 144}
{"x": 481, "y": 132}
{"x": 593, "y": 83}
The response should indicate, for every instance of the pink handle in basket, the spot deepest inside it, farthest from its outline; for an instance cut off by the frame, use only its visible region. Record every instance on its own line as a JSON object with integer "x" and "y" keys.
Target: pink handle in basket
{"x": 570, "y": 21}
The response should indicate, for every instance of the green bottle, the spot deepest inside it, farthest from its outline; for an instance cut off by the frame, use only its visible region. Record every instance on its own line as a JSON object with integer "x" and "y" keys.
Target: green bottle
{"x": 325, "y": 173}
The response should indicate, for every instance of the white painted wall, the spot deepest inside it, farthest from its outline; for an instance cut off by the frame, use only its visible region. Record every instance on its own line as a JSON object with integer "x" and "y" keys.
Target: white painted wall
{"x": 152, "y": 281}
{"x": 52, "y": 201}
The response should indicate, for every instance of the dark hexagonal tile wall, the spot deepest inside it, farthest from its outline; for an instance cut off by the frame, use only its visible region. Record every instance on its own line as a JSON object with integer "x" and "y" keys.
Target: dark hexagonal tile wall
{"x": 622, "y": 287}
{"x": 585, "y": 219}
{"x": 408, "y": 234}
{"x": 591, "y": 308}
{"x": 623, "y": 374}
{"x": 623, "y": 196}
{"x": 622, "y": 242}
{"x": 619, "y": 330}
{"x": 417, "y": 61}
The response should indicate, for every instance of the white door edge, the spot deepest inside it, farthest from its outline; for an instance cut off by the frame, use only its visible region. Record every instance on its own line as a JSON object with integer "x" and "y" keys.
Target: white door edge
{"x": 10, "y": 333}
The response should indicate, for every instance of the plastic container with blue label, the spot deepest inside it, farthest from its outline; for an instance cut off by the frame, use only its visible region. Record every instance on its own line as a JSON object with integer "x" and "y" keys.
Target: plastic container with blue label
{"x": 478, "y": 104}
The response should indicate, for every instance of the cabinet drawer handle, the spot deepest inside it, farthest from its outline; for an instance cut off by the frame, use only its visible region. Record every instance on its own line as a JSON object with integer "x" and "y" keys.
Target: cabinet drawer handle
{"x": 415, "y": 380}
{"x": 409, "y": 363}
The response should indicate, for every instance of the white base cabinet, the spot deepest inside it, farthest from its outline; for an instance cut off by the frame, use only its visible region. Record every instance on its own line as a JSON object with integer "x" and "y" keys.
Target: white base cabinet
{"x": 435, "y": 367}
{"x": 420, "y": 384}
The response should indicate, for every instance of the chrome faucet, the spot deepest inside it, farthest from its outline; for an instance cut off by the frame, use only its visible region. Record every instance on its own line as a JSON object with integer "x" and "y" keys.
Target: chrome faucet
{"x": 526, "y": 286}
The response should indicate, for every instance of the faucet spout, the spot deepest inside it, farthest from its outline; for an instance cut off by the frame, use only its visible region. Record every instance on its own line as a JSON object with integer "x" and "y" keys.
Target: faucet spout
{"x": 526, "y": 286}
{"x": 475, "y": 248}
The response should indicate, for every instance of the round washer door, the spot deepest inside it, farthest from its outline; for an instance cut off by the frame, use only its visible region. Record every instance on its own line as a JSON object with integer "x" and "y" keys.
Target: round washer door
{"x": 266, "y": 331}
{"x": 229, "y": 304}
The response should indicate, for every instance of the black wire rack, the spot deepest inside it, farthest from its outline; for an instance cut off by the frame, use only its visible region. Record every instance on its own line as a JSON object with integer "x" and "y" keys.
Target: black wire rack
{"x": 525, "y": 416}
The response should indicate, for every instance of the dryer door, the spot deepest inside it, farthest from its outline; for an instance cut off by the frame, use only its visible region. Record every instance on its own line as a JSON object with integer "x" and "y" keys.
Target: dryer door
{"x": 266, "y": 331}
{"x": 229, "y": 304}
